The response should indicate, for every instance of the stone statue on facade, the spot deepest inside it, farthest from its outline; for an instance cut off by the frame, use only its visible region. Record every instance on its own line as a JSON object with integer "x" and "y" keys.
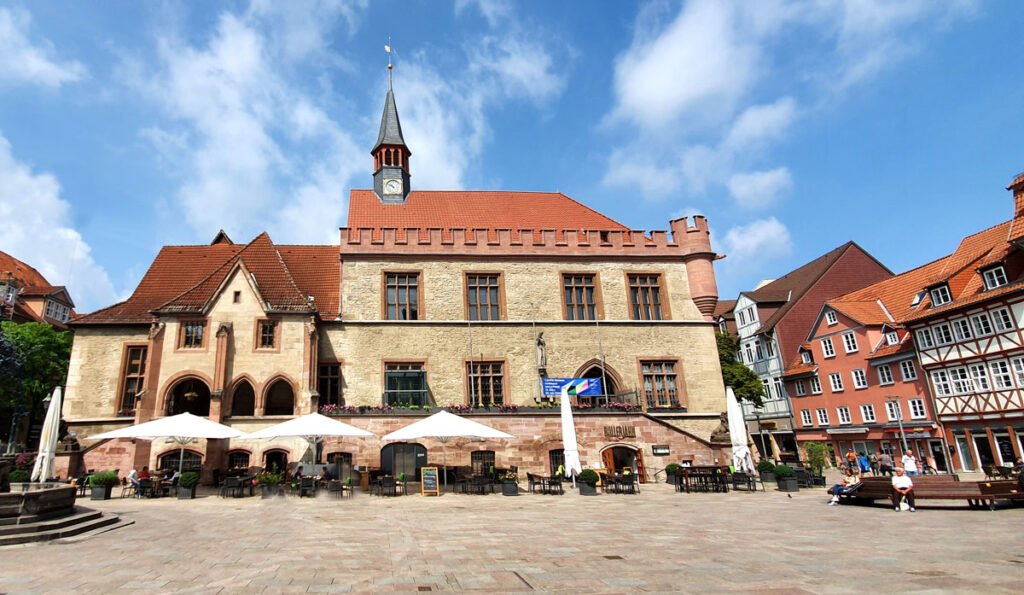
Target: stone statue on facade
{"x": 721, "y": 433}
{"x": 542, "y": 352}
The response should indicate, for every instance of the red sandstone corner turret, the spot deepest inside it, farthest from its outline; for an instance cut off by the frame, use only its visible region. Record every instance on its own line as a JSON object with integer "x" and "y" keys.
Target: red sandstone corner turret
{"x": 695, "y": 243}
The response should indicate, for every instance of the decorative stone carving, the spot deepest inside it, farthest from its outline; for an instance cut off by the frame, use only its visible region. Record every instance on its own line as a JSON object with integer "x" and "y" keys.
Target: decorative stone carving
{"x": 542, "y": 352}
{"x": 721, "y": 433}
{"x": 155, "y": 328}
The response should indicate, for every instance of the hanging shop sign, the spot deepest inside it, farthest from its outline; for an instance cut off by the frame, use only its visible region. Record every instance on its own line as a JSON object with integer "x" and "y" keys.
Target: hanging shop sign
{"x": 660, "y": 450}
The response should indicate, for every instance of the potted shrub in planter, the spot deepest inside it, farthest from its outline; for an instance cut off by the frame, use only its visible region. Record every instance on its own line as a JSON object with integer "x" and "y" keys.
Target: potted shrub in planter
{"x": 19, "y": 476}
{"x": 766, "y": 469}
{"x": 270, "y": 483}
{"x": 101, "y": 484}
{"x": 187, "y": 483}
{"x": 672, "y": 471}
{"x": 509, "y": 483}
{"x": 587, "y": 481}
{"x": 786, "y": 477}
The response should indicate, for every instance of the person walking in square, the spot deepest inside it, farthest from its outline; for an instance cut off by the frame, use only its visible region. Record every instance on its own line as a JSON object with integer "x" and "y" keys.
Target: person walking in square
{"x": 910, "y": 463}
{"x": 885, "y": 463}
{"x": 902, "y": 487}
{"x": 873, "y": 461}
{"x": 851, "y": 459}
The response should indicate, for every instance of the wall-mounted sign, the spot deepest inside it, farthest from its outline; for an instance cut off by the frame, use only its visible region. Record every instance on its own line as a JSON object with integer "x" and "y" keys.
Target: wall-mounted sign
{"x": 586, "y": 386}
{"x": 620, "y": 431}
{"x": 660, "y": 450}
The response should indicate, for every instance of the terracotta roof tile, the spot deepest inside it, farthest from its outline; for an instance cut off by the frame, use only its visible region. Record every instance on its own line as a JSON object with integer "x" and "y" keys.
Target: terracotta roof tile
{"x": 887, "y": 350}
{"x": 896, "y": 294}
{"x": 183, "y": 278}
{"x": 476, "y": 209}
{"x": 800, "y": 369}
{"x": 25, "y": 274}
{"x": 724, "y": 308}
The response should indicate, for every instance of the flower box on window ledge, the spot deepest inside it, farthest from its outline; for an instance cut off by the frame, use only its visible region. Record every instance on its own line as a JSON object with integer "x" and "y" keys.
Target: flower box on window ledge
{"x": 126, "y": 413}
{"x": 676, "y": 409}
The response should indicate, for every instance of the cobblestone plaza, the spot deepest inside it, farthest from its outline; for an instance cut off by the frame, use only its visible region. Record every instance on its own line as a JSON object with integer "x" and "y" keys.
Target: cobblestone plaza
{"x": 657, "y": 541}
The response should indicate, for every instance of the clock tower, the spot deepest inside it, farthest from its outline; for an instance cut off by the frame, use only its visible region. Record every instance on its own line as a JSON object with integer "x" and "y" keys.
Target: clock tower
{"x": 390, "y": 155}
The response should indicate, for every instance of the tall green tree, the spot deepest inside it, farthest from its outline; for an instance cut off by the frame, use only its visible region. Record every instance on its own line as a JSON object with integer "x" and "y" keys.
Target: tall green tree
{"x": 743, "y": 380}
{"x": 43, "y": 354}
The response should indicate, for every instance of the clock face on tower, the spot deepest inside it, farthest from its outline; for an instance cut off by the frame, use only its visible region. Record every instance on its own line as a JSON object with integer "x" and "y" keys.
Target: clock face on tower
{"x": 392, "y": 186}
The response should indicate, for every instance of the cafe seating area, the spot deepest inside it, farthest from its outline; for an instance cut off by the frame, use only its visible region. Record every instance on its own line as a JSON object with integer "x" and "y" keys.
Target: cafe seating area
{"x": 707, "y": 479}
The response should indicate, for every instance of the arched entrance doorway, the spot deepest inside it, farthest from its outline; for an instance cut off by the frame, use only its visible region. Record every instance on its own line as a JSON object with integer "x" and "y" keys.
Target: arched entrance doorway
{"x": 619, "y": 458}
{"x": 611, "y": 382}
{"x": 275, "y": 460}
{"x": 280, "y": 399}
{"x": 191, "y": 395}
{"x": 403, "y": 457}
{"x": 243, "y": 399}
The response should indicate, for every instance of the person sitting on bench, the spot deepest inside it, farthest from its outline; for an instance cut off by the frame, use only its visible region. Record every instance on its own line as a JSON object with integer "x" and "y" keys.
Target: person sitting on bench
{"x": 902, "y": 487}
{"x": 849, "y": 483}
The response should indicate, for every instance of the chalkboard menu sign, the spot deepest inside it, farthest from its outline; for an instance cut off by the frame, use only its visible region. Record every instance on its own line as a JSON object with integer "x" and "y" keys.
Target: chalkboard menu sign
{"x": 428, "y": 481}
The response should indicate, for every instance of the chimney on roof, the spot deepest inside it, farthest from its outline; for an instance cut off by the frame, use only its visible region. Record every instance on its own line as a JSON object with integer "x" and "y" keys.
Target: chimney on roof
{"x": 1017, "y": 186}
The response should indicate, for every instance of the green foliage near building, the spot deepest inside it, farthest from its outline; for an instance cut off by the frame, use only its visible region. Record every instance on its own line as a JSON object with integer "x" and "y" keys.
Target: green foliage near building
{"x": 816, "y": 456}
{"x": 743, "y": 380}
{"x": 33, "y": 360}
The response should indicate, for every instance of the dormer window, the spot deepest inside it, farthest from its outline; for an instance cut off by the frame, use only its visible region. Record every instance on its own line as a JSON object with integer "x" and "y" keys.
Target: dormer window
{"x": 995, "y": 277}
{"x": 831, "y": 318}
{"x": 940, "y": 296}
{"x": 57, "y": 311}
{"x": 805, "y": 357}
{"x": 892, "y": 338}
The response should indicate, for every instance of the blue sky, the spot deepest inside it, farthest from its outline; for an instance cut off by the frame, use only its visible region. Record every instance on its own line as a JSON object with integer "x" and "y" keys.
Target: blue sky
{"x": 793, "y": 125}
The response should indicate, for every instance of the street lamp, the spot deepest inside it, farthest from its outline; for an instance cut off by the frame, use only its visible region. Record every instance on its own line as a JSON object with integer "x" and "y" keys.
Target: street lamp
{"x": 899, "y": 419}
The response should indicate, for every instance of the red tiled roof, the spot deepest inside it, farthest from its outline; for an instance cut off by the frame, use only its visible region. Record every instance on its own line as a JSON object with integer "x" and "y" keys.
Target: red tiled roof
{"x": 800, "y": 368}
{"x": 887, "y": 350}
{"x": 184, "y": 278}
{"x": 25, "y": 274}
{"x": 896, "y": 293}
{"x": 724, "y": 308}
{"x": 476, "y": 209}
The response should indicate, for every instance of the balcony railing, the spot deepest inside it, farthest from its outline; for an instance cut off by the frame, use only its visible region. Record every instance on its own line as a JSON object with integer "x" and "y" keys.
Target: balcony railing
{"x": 775, "y": 408}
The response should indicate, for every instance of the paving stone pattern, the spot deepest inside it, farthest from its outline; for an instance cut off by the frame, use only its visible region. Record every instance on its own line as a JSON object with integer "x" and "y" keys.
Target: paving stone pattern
{"x": 658, "y": 541}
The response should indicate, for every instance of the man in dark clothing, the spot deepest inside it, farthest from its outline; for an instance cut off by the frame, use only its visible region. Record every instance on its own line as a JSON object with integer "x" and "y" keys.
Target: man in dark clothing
{"x": 885, "y": 464}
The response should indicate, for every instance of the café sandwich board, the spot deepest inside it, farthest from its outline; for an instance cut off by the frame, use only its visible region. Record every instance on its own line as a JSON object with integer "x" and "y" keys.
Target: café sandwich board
{"x": 428, "y": 482}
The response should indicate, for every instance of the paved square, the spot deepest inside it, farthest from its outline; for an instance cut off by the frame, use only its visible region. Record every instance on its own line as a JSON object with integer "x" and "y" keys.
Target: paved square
{"x": 657, "y": 541}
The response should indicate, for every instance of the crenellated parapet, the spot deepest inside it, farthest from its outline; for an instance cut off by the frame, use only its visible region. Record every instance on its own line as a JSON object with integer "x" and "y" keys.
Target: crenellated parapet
{"x": 683, "y": 242}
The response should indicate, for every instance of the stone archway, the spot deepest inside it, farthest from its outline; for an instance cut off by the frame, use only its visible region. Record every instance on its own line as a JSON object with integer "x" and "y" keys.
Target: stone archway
{"x": 189, "y": 395}
{"x": 279, "y": 398}
{"x": 243, "y": 398}
{"x": 611, "y": 382}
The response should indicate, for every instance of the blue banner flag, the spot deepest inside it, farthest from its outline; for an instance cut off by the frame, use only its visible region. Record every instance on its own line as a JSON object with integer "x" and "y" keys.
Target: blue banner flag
{"x": 583, "y": 386}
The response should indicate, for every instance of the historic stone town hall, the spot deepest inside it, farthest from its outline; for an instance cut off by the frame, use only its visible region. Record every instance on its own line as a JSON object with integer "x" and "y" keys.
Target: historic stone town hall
{"x": 465, "y": 300}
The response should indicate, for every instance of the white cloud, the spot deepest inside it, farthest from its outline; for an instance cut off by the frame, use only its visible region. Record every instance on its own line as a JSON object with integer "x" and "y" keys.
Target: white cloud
{"x": 43, "y": 236}
{"x": 22, "y": 61}
{"x": 760, "y": 189}
{"x": 495, "y": 11}
{"x": 760, "y": 123}
{"x": 753, "y": 246}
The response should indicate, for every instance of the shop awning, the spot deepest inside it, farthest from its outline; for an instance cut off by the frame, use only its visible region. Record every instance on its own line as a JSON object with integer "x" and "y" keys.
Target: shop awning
{"x": 847, "y": 430}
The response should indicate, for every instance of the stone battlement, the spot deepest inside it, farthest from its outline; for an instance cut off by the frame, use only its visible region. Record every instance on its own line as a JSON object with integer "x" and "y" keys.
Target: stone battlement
{"x": 684, "y": 240}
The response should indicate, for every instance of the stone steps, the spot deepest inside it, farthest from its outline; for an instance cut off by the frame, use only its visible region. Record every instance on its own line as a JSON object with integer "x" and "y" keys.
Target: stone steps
{"x": 83, "y": 522}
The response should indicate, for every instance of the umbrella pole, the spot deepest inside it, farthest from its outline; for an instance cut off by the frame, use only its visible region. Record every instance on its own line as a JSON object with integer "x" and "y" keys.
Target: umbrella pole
{"x": 181, "y": 456}
{"x": 444, "y": 461}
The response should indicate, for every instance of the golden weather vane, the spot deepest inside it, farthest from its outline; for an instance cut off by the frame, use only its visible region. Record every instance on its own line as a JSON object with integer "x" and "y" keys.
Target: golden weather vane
{"x": 387, "y": 48}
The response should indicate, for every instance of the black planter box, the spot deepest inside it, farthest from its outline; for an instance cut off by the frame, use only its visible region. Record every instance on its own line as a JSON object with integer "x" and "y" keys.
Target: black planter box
{"x": 788, "y": 484}
{"x": 510, "y": 488}
{"x": 186, "y": 493}
{"x": 767, "y": 476}
{"x": 672, "y": 479}
{"x": 586, "y": 489}
{"x": 269, "y": 491}
{"x": 100, "y": 492}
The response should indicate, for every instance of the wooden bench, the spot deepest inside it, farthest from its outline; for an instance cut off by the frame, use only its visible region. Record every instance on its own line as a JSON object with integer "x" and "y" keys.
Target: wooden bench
{"x": 978, "y": 494}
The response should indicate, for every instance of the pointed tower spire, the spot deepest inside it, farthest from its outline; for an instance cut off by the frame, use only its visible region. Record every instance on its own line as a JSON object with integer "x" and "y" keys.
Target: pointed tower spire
{"x": 390, "y": 154}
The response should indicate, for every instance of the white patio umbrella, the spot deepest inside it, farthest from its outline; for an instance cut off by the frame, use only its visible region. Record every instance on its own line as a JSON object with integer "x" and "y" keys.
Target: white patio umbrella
{"x": 444, "y": 426}
{"x": 43, "y": 468}
{"x": 181, "y": 429}
{"x": 741, "y": 458}
{"x": 313, "y": 427}
{"x": 570, "y": 448}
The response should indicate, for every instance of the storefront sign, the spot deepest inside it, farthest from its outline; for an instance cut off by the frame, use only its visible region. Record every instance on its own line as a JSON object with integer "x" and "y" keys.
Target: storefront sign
{"x": 660, "y": 450}
{"x": 620, "y": 432}
{"x": 553, "y": 386}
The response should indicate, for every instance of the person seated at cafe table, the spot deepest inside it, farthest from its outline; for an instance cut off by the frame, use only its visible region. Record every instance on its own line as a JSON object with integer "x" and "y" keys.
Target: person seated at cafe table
{"x": 144, "y": 474}
{"x": 297, "y": 476}
{"x": 326, "y": 474}
{"x": 133, "y": 478}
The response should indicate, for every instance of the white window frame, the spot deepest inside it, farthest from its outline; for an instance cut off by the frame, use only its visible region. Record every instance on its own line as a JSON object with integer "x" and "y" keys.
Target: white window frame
{"x": 767, "y": 385}
{"x": 844, "y": 415}
{"x": 850, "y": 342}
{"x": 962, "y": 329}
{"x": 941, "y": 296}
{"x": 943, "y": 334}
{"x": 1002, "y": 376}
{"x": 860, "y": 378}
{"x": 892, "y": 338}
{"x": 815, "y": 385}
{"x": 1017, "y": 365}
{"x": 885, "y": 375}
{"x": 780, "y": 389}
{"x": 979, "y": 374}
{"x": 867, "y": 413}
{"x": 1003, "y": 319}
{"x": 827, "y": 348}
{"x": 769, "y": 347}
{"x": 961, "y": 379}
{"x": 823, "y": 417}
{"x": 917, "y": 410}
{"x": 982, "y": 324}
{"x": 831, "y": 318}
{"x": 940, "y": 380}
{"x": 805, "y": 417}
{"x": 741, "y": 318}
{"x": 748, "y": 350}
{"x": 800, "y": 387}
{"x": 906, "y": 366}
{"x": 893, "y": 410}
{"x": 835, "y": 382}
{"x": 995, "y": 277}
{"x": 757, "y": 350}
{"x": 805, "y": 357}
{"x": 925, "y": 339}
